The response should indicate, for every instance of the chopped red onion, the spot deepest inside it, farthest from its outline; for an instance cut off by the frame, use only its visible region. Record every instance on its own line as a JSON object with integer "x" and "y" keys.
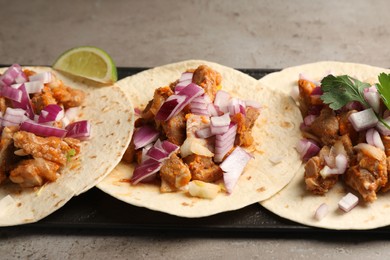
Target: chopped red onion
{"x": 223, "y": 120}
{"x": 25, "y": 102}
{"x": 13, "y": 117}
{"x": 204, "y": 133}
{"x": 224, "y": 143}
{"x": 212, "y": 109}
{"x": 51, "y": 113}
{"x": 13, "y": 74}
{"x": 169, "y": 147}
{"x": 42, "y": 130}
{"x": 31, "y": 87}
{"x": 373, "y": 138}
{"x": 175, "y": 103}
{"x": 169, "y": 107}
{"x": 317, "y": 91}
{"x": 222, "y": 100}
{"x": 217, "y": 130}
{"x": 44, "y": 77}
{"x": 363, "y": 120}
{"x": 11, "y": 93}
{"x": 233, "y": 167}
{"x": 373, "y": 99}
{"x": 186, "y": 76}
{"x": 321, "y": 211}
{"x": 354, "y": 105}
{"x": 382, "y": 128}
{"x": 307, "y": 149}
{"x": 348, "y": 202}
{"x": 145, "y": 135}
{"x": 145, "y": 170}
{"x": 157, "y": 154}
{"x": 309, "y": 119}
{"x": 72, "y": 113}
{"x": 79, "y": 130}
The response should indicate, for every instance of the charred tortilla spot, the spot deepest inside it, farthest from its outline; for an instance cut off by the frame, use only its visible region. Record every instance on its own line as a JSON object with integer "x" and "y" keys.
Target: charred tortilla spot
{"x": 286, "y": 124}
{"x": 19, "y": 204}
{"x": 58, "y": 203}
{"x": 93, "y": 156}
{"x": 261, "y": 189}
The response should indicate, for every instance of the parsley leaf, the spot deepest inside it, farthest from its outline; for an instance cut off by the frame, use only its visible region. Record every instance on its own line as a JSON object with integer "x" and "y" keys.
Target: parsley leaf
{"x": 384, "y": 88}
{"x": 340, "y": 90}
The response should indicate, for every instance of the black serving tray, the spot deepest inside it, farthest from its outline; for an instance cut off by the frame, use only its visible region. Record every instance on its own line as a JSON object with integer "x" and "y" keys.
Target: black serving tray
{"x": 97, "y": 211}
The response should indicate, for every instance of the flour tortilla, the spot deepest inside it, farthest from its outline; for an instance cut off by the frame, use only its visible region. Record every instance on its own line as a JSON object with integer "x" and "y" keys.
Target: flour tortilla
{"x": 112, "y": 119}
{"x": 278, "y": 121}
{"x": 297, "y": 204}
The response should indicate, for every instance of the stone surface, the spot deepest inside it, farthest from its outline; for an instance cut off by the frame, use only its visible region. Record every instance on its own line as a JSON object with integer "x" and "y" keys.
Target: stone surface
{"x": 241, "y": 34}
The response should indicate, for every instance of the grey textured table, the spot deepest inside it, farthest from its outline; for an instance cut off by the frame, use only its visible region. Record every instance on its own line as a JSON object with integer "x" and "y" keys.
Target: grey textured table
{"x": 241, "y": 34}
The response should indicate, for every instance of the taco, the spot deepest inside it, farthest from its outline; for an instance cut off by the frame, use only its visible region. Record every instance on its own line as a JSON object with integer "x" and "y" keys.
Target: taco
{"x": 59, "y": 137}
{"x": 343, "y": 183}
{"x": 192, "y": 180}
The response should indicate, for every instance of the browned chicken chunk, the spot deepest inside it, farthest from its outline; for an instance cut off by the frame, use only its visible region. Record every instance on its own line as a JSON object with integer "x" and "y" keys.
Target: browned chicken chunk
{"x": 326, "y": 126}
{"x": 370, "y": 174}
{"x": 208, "y": 79}
{"x": 175, "y": 128}
{"x": 68, "y": 97}
{"x": 244, "y": 126}
{"x": 50, "y": 148}
{"x": 203, "y": 168}
{"x": 34, "y": 172}
{"x": 7, "y": 156}
{"x": 40, "y": 100}
{"x": 313, "y": 179}
{"x": 174, "y": 174}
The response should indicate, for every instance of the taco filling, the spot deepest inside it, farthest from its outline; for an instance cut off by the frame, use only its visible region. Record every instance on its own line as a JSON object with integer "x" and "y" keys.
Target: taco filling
{"x": 346, "y": 134}
{"x": 39, "y": 134}
{"x": 189, "y": 131}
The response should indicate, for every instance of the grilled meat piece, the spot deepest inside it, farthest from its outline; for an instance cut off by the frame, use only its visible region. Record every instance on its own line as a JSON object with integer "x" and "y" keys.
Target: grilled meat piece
{"x": 50, "y": 148}
{"x": 326, "y": 126}
{"x": 7, "y": 156}
{"x": 307, "y": 102}
{"x": 244, "y": 126}
{"x": 174, "y": 174}
{"x": 208, "y": 79}
{"x": 203, "y": 168}
{"x": 68, "y": 97}
{"x": 34, "y": 172}
{"x": 40, "y": 100}
{"x": 370, "y": 173}
{"x": 175, "y": 128}
{"x": 313, "y": 179}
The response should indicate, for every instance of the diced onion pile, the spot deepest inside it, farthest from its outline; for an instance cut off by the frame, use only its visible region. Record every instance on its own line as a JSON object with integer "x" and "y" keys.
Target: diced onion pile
{"x": 17, "y": 87}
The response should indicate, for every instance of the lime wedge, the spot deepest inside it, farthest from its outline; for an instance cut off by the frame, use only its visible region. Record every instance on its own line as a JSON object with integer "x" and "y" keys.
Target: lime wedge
{"x": 88, "y": 62}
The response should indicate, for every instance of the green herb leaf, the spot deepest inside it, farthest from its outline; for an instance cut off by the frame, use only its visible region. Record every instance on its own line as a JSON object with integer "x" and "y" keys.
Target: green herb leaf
{"x": 70, "y": 154}
{"x": 340, "y": 90}
{"x": 384, "y": 88}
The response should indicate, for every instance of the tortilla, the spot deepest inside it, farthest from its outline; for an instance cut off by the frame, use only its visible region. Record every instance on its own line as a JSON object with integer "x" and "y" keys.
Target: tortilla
{"x": 297, "y": 204}
{"x": 263, "y": 176}
{"x": 111, "y": 116}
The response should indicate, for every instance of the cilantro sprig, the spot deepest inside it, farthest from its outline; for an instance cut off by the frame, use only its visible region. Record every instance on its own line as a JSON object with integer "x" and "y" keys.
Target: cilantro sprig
{"x": 384, "y": 88}
{"x": 340, "y": 90}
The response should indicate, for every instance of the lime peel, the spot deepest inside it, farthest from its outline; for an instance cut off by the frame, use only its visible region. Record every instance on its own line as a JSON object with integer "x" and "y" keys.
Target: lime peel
{"x": 88, "y": 62}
